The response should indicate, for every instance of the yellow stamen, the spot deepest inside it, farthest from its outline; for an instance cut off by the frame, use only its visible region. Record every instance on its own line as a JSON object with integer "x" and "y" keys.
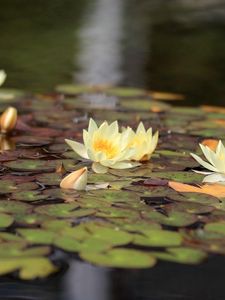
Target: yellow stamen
{"x": 105, "y": 146}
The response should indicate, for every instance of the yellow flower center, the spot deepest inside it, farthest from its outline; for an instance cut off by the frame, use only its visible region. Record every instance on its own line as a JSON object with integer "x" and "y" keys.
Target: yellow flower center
{"x": 105, "y": 146}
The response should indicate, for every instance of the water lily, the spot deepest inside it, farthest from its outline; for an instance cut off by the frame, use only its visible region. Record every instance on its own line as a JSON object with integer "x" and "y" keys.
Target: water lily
{"x": 143, "y": 142}
{"x": 8, "y": 119}
{"x": 2, "y": 77}
{"x": 216, "y": 162}
{"x": 105, "y": 146}
{"x": 76, "y": 180}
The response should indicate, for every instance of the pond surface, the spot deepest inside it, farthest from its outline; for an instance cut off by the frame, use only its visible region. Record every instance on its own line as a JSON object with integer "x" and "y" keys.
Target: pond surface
{"x": 172, "y": 46}
{"x": 152, "y": 44}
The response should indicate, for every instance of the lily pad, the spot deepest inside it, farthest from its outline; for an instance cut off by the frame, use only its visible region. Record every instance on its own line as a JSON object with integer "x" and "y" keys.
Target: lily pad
{"x": 158, "y": 238}
{"x": 28, "y": 267}
{"x": 5, "y": 220}
{"x": 120, "y": 258}
{"x": 181, "y": 255}
{"x": 31, "y": 165}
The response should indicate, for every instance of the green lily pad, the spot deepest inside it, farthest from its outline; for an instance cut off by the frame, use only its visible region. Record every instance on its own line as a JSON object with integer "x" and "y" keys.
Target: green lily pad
{"x": 185, "y": 177}
{"x": 29, "y": 267}
{"x": 158, "y": 238}
{"x": 182, "y": 255}
{"x": 217, "y": 227}
{"x": 31, "y": 165}
{"x": 14, "y": 207}
{"x": 125, "y": 92}
{"x": 29, "y": 196}
{"x": 49, "y": 179}
{"x": 69, "y": 210}
{"x": 120, "y": 258}
{"x": 74, "y": 89}
{"x": 37, "y": 236}
{"x": 174, "y": 218}
{"x": 5, "y": 220}
{"x": 113, "y": 236}
{"x": 10, "y": 95}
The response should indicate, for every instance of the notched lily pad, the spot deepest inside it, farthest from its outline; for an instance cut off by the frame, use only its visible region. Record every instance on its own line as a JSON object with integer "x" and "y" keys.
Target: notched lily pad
{"x": 120, "y": 258}
{"x": 31, "y": 165}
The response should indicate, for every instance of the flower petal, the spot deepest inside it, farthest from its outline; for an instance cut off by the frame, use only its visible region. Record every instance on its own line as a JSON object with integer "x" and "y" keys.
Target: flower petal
{"x": 98, "y": 168}
{"x": 203, "y": 163}
{"x": 125, "y": 165}
{"x": 2, "y": 76}
{"x": 78, "y": 148}
{"x": 215, "y": 177}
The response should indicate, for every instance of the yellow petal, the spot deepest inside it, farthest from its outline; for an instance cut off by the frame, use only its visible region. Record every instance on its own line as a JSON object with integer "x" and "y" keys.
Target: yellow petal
{"x": 78, "y": 148}
{"x": 76, "y": 180}
{"x": 98, "y": 168}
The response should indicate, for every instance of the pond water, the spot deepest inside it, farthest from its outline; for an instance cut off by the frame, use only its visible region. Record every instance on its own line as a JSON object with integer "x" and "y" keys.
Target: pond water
{"x": 177, "y": 47}
{"x": 173, "y": 46}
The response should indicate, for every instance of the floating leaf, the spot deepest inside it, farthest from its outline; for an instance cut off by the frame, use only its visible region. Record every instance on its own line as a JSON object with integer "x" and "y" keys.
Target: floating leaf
{"x": 31, "y": 165}
{"x": 120, "y": 258}
{"x": 216, "y": 190}
{"x": 5, "y": 220}
{"x": 173, "y": 218}
{"x": 158, "y": 238}
{"x": 29, "y": 268}
{"x": 181, "y": 255}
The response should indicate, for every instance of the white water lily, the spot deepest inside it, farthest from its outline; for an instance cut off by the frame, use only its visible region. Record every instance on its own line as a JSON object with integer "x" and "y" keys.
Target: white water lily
{"x": 2, "y": 76}
{"x": 216, "y": 163}
{"x": 105, "y": 146}
{"x": 143, "y": 142}
{"x": 76, "y": 180}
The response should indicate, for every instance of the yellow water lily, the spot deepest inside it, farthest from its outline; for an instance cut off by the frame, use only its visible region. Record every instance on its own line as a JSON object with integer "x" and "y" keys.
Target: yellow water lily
{"x": 2, "y": 77}
{"x": 143, "y": 142}
{"x": 105, "y": 146}
{"x": 216, "y": 162}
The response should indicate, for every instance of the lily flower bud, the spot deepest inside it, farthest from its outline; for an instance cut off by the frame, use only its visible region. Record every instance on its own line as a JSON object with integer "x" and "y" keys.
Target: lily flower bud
{"x": 2, "y": 76}
{"x": 76, "y": 180}
{"x": 8, "y": 119}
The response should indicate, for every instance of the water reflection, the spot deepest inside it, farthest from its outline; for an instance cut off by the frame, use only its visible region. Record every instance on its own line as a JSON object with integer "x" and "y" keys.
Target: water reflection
{"x": 86, "y": 282}
{"x": 172, "y": 46}
{"x": 99, "y": 58}
{"x": 6, "y": 143}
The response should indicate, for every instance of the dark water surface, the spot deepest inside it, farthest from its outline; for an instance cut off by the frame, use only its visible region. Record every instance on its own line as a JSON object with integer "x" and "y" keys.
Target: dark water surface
{"x": 166, "y": 281}
{"x": 175, "y": 46}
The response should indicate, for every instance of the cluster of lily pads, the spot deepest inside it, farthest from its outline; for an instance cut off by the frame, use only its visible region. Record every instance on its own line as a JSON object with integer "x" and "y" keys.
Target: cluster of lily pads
{"x": 159, "y": 210}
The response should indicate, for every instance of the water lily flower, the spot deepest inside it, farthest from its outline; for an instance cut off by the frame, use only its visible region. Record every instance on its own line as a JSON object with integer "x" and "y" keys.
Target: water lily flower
{"x": 8, "y": 119}
{"x": 143, "y": 142}
{"x": 105, "y": 146}
{"x": 76, "y": 180}
{"x": 216, "y": 162}
{"x": 2, "y": 77}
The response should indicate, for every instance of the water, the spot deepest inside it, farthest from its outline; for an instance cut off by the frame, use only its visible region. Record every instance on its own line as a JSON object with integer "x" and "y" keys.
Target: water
{"x": 175, "y": 46}
{"x": 166, "y": 281}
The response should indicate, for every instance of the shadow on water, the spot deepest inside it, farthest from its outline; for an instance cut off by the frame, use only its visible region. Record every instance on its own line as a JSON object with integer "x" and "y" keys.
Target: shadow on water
{"x": 175, "y": 46}
{"x": 166, "y": 281}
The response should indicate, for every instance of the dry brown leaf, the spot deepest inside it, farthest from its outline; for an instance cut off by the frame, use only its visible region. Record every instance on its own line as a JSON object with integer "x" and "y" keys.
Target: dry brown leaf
{"x": 215, "y": 189}
{"x": 220, "y": 122}
{"x": 211, "y": 143}
{"x": 164, "y": 96}
{"x": 209, "y": 108}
